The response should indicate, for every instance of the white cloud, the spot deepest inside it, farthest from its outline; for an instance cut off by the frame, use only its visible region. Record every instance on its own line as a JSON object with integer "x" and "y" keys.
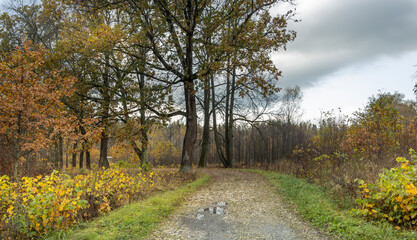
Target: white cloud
{"x": 337, "y": 34}
{"x": 351, "y": 87}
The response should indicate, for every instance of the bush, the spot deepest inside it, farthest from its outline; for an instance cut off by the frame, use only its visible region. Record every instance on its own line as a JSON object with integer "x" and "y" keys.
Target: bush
{"x": 35, "y": 206}
{"x": 394, "y": 195}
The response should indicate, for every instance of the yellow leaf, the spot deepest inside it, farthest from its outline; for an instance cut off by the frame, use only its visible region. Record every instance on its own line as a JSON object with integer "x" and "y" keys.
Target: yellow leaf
{"x": 61, "y": 192}
{"x": 412, "y": 191}
{"x": 10, "y": 210}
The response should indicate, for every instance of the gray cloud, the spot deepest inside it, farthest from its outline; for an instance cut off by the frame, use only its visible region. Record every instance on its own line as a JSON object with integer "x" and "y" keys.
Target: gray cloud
{"x": 338, "y": 34}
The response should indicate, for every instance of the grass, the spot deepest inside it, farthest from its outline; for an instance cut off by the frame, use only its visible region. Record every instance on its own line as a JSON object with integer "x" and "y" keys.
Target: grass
{"x": 133, "y": 221}
{"x": 315, "y": 204}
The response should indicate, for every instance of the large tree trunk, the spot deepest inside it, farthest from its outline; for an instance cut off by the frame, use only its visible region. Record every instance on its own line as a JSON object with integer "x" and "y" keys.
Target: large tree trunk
{"x": 81, "y": 165}
{"x": 229, "y": 122}
{"x": 104, "y": 144}
{"x": 87, "y": 159}
{"x": 144, "y": 160}
{"x": 144, "y": 130}
{"x": 226, "y": 120}
{"x": 103, "y": 162}
{"x": 83, "y": 145}
{"x": 206, "y": 127}
{"x": 190, "y": 137}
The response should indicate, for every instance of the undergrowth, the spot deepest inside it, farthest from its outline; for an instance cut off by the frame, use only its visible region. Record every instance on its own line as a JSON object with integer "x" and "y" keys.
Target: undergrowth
{"x": 316, "y": 205}
{"x": 133, "y": 221}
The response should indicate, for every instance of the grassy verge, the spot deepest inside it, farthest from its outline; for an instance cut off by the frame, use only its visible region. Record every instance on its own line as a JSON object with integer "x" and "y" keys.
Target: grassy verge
{"x": 133, "y": 221}
{"x": 315, "y": 204}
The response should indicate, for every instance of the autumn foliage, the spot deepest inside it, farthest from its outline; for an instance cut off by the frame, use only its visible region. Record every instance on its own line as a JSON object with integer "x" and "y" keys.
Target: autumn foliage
{"x": 343, "y": 149}
{"x": 32, "y": 115}
{"x": 375, "y": 132}
{"x": 36, "y": 206}
{"x": 393, "y": 196}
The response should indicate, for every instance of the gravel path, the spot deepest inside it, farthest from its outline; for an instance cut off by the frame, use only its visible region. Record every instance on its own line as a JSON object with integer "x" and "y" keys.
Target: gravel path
{"x": 235, "y": 205}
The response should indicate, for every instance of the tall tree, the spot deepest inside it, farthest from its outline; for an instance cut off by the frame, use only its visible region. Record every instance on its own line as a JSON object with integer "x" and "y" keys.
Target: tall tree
{"x": 247, "y": 70}
{"x": 30, "y": 93}
{"x": 290, "y": 107}
{"x": 176, "y": 32}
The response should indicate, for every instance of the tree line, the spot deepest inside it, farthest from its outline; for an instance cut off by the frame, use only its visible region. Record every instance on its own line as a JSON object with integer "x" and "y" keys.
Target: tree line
{"x": 80, "y": 73}
{"x": 334, "y": 151}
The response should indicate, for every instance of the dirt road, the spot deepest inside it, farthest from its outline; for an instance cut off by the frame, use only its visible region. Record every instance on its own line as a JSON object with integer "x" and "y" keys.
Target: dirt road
{"x": 235, "y": 205}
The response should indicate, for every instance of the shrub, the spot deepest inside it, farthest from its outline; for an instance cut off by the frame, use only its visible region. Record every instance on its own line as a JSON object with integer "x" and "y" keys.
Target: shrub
{"x": 35, "y": 206}
{"x": 394, "y": 195}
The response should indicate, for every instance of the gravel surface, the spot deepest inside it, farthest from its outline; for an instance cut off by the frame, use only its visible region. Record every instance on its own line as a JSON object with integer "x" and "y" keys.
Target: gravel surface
{"x": 235, "y": 205}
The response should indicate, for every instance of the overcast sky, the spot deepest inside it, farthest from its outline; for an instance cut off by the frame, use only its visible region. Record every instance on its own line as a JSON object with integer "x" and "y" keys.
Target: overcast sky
{"x": 348, "y": 50}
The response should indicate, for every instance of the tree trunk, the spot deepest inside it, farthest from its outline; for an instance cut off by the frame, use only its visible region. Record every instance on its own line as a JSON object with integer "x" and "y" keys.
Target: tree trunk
{"x": 229, "y": 126}
{"x": 144, "y": 161}
{"x": 136, "y": 148}
{"x": 226, "y": 120}
{"x": 190, "y": 137}
{"x": 215, "y": 132}
{"x": 74, "y": 155}
{"x": 56, "y": 153}
{"x": 17, "y": 150}
{"x": 83, "y": 145}
{"x": 61, "y": 152}
{"x": 87, "y": 159}
{"x": 103, "y": 162}
{"x": 66, "y": 160}
{"x": 66, "y": 153}
{"x": 206, "y": 127}
{"x": 104, "y": 143}
{"x": 81, "y": 165}
{"x": 15, "y": 168}
{"x": 191, "y": 128}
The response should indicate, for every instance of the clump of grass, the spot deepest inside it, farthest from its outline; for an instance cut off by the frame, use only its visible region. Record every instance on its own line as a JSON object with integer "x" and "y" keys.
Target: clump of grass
{"x": 316, "y": 205}
{"x": 134, "y": 221}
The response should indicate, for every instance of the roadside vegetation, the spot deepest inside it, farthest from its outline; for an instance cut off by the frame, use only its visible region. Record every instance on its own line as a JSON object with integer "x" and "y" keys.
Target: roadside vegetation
{"x": 36, "y": 206}
{"x": 133, "y": 221}
{"x": 318, "y": 205}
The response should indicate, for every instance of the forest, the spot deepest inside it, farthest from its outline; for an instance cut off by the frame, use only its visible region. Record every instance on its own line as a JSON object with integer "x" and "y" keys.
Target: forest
{"x": 78, "y": 77}
{"x": 108, "y": 85}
